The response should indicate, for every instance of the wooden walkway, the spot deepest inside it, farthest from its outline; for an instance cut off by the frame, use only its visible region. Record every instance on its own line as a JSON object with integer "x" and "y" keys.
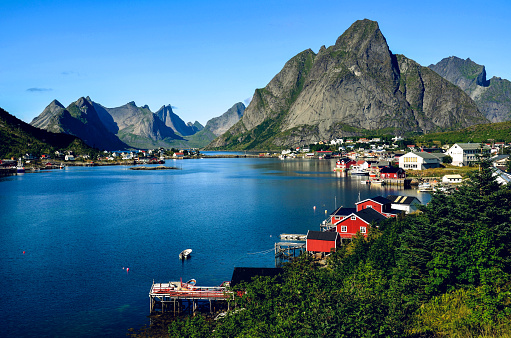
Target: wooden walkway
{"x": 170, "y": 296}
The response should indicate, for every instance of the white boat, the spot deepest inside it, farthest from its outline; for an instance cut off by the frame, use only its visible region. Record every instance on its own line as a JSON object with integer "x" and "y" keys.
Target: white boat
{"x": 20, "y": 168}
{"x": 425, "y": 187}
{"x": 379, "y": 181}
{"x": 185, "y": 254}
{"x": 361, "y": 172}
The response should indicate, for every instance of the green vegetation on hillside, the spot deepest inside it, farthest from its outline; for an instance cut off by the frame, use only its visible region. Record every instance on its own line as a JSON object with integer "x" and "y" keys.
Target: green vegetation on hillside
{"x": 477, "y": 133}
{"x": 443, "y": 272}
{"x": 18, "y": 138}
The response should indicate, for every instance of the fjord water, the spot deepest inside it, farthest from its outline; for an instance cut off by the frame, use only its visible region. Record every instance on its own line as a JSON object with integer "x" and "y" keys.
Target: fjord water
{"x": 68, "y": 236}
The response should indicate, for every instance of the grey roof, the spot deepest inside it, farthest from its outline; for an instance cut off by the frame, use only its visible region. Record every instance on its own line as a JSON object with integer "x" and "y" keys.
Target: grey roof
{"x": 470, "y": 146}
{"x": 396, "y": 199}
{"x": 499, "y": 157}
{"x": 426, "y": 155}
{"x": 322, "y": 235}
{"x": 343, "y": 211}
{"x": 370, "y": 215}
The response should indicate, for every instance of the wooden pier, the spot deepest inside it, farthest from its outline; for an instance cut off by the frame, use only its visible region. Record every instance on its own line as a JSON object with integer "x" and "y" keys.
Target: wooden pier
{"x": 177, "y": 297}
{"x": 291, "y": 246}
{"x": 404, "y": 182}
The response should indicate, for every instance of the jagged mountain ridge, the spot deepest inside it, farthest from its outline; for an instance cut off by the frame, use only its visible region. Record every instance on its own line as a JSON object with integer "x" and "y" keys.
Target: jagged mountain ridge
{"x": 493, "y": 97}
{"x": 127, "y": 126}
{"x": 355, "y": 85}
{"x": 79, "y": 119}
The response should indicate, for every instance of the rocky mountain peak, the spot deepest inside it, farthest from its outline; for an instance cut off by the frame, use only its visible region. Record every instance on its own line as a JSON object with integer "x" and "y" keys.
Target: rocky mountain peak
{"x": 493, "y": 97}
{"x": 55, "y": 104}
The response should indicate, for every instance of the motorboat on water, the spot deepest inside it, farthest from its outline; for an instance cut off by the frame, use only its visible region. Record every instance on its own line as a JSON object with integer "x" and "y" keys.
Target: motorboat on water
{"x": 360, "y": 172}
{"x": 185, "y": 254}
{"x": 425, "y": 187}
{"x": 19, "y": 167}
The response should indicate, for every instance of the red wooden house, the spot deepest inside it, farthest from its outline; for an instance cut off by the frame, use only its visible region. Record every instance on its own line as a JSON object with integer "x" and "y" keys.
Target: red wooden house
{"x": 391, "y": 172}
{"x": 322, "y": 241}
{"x": 379, "y": 204}
{"x": 359, "y": 221}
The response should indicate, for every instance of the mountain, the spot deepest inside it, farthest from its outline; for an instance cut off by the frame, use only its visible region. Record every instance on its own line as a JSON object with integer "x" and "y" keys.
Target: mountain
{"x": 217, "y": 126}
{"x": 173, "y": 121}
{"x": 351, "y": 88}
{"x": 79, "y": 119}
{"x": 123, "y": 127}
{"x": 18, "y": 138}
{"x": 493, "y": 97}
{"x": 138, "y": 127}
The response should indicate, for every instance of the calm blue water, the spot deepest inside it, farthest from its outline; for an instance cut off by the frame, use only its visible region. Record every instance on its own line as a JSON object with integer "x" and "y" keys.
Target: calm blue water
{"x": 81, "y": 228}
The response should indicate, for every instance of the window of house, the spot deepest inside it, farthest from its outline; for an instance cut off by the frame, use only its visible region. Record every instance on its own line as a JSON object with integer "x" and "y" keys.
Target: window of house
{"x": 344, "y": 228}
{"x": 369, "y": 206}
{"x": 353, "y": 218}
{"x": 363, "y": 230}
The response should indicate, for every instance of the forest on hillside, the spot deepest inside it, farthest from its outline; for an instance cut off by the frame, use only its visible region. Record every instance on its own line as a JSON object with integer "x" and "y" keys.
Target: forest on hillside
{"x": 443, "y": 272}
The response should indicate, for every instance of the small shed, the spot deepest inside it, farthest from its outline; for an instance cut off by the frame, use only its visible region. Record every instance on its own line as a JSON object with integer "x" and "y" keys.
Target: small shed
{"x": 452, "y": 179}
{"x": 322, "y": 241}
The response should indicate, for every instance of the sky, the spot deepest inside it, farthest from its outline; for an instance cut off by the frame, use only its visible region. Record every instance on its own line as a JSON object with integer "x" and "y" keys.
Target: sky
{"x": 202, "y": 57}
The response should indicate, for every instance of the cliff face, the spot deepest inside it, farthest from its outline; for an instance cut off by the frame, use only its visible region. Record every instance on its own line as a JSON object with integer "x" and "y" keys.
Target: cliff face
{"x": 493, "y": 97}
{"x": 222, "y": 123}
{"x": 353, "y": 86}
{"x": 174, "y": 122}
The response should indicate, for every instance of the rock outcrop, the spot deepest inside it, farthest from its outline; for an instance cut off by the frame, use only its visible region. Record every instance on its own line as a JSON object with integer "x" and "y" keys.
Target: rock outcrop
{"x": 493, "y": 97}
{"x": 350, "y": 88}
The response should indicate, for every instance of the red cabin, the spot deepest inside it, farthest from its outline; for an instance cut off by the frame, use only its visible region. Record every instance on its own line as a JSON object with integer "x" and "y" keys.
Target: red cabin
{"x": 322, "y": 241}
{"x": 391, "y": 172}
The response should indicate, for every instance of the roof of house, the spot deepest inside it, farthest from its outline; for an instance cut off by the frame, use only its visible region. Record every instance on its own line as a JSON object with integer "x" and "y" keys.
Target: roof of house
{"x": 322, "y": 235}
{"x": 377, "y": 199}
{"x": 370, "y": 215}
{"x": 453, "y": 176}
{"x": 470, "y": 146}
{"x": 390, "y": 170}
{"x": 499, "y": 157}
{"x": 426, "y": 155}
{"x": 397, "y": 199}
{"x": 343, "y": 211}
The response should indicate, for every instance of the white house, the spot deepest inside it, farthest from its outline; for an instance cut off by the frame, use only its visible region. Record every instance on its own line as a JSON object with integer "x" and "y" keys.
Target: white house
{"x": 452, "y": 179}
{"x": 466, "y": 153}
{"x": 406, "y": 203}
{"x": 418, "y": 161}
{"x": 69, "y": 158}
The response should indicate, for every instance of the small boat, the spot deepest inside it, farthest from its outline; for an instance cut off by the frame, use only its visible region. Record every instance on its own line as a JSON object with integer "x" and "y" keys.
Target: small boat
{"x": 361, "y": 172}
{"x": 381, "y": 182}
{"x": 185, "y": 254}
{"x": 425, "y": 187}
{"x": 20, "y": 168}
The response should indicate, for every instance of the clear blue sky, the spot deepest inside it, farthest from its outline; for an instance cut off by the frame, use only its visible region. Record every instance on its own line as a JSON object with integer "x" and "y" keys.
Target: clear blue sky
{"x": 203, "y": 56}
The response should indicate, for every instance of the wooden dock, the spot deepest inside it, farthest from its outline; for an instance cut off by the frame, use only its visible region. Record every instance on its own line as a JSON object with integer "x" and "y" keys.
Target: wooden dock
{"x": 177, "y": 297}
{"x": 404, "y": 182}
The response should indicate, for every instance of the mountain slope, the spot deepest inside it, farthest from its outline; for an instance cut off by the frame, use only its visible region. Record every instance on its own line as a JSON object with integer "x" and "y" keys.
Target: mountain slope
{"x": 353, "y": 86}
{"x": 79, "y": 119}
{"x": 18, "y": 138}
{"x": 493, "y": 97}
{"x": 171, "y": 120}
